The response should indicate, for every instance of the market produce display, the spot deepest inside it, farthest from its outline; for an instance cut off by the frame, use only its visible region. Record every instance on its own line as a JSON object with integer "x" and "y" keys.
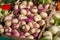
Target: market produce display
{"x": 31, "y": 19}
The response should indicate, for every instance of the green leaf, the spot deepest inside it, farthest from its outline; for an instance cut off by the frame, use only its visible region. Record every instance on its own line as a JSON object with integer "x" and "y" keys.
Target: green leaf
{"x": 9, "y": 1}
{"x": 57, "y": 22}
{"x": 1, "y": 15}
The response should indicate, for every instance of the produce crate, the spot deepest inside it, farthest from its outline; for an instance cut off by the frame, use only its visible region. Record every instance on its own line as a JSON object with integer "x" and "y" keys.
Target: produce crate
{"x": 53, "y": 10}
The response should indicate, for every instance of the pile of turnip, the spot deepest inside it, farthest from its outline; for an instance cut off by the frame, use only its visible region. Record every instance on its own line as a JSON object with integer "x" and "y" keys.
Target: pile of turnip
{"x": 26, "y": 21}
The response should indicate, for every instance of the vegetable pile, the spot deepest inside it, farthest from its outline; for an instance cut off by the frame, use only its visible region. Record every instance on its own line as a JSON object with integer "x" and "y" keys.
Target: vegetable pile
{"x": 26, "y": 20}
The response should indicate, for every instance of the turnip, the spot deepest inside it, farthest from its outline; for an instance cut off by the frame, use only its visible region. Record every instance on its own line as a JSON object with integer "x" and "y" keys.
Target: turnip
{"x": 8, "y": 23}
{"x": 34, "y": 9}
{"x": 16, "y": 26}
{"x": 47, "y": 33}
{"x": 56, "y": 38}
{"x": 21, "y": 33}
{"x": 1, "y": 30}
{"x": 33, "y": 30}
{"x": 15, "y": 33}
{"x": 43, "y": 15}
{"x": 27, "y": 34}
{"x": 1, "y": 26}
{"x": 30, "y": 24}
{"x": 23, "y": 12}
{"x": 24, "y": 2}
{"x": 22, "y": 17}
{"x": 54, "y": 29}
{"x": 48, "y": 37}
{"x": 41, "y": 22}
{"x": 46, "y": 6}
{"x": 8, "y": 29}
{"x": 36, "y": 25}
{"x": 30, "y": 37}
{"x": 15, "y": 20}
{"x": 38, "y": 31}
{"x": 22, "y": 6}
{"x": 41, "y": 8}
{"x": 30, "y": 3}
{"x": 30, "y": 19}
{"x": 26, "y": 28}
{"x": 7, "y": 18}
{"x": 35, "y": 35}
{"x": 52, "y": 21}
{"x": 23, "y": 23}
{"x": 15, "y": 7}
{"x": 37, "y": 18}
{"x": 8, "y": 34}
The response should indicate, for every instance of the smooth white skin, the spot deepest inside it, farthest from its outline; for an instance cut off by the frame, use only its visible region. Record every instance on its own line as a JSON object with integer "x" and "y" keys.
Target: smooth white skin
{"x": 34, "y": 10}
{"x": 47, "y": 33}
{"x": 22, "y": 6}
{"x": 36, "y": 25}
{"x": 16, "y": 6}
{"x": 52, "y": 21}
{"x": 1, "y": 30}
{"x": 27, "y": 34}
{"x": 22, "y": 17}
{"x": 23, "y": 12}
{"x": 8, "y": 29}
{"x": 30, "y": 3}
{"x": 57, "y": 15}
{"x": 38, "y": 30}
{"x": 7, "y": 18}
{"x": 37, "y": 18}
{"x": 43, "y": 15}
{"x": 42, "y": 22}
{"x": 30, "y": 37}
{"x": 8, "y": 23}
{"x": 33, "y": 30}
{"x": 27, "y": 27}
{"x": 23, "y": 23}
{"x": 54, "y": 29}
{"x": 1, "y": 26}
{"x": 56, "y": 38}
{"x": 48, "y": 37}
{"x": 15, "y": 20}
{"x": 30, "y": 24}
{"x": 24, "y": 2}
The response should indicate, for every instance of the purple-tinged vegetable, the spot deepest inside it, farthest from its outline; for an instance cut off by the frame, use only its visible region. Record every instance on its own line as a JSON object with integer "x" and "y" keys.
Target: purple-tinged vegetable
{"x": 8, "y": 34}
{"x": 16, "y": 26}
{"x": 16, "y": 11}
{"x": 15, "y": 33}
{"x": 21, "y": 33}
{"x": 8, "y": 29}
{"x": 30, "y": 19}
{"x": 35, "y": 35}
{"x": 22, "y": 17}
{"x": 41, "y": 8}
{"x": 46, "y": 6}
